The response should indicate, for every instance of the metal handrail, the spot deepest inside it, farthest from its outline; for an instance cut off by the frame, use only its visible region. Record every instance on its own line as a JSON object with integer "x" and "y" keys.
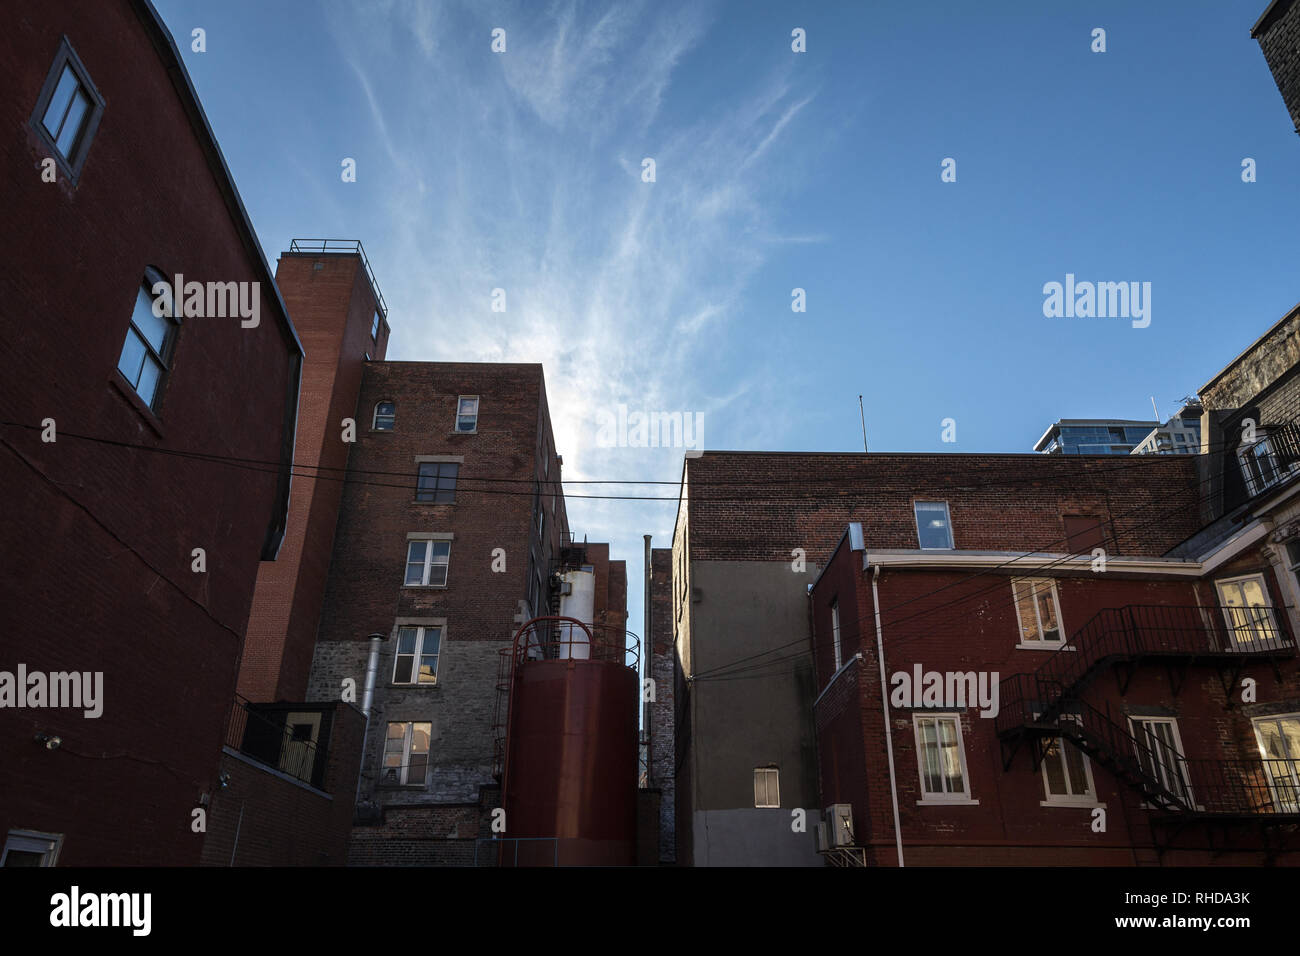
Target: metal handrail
{"x": 308, "y": 246}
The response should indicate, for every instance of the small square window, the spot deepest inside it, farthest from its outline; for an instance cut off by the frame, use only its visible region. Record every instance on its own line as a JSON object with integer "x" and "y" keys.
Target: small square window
{"x": 767, "y": 787}
{"x": 467, "y": 413}
{"x": 933, "y": 529}
{"x": 385, "y": 416}
{"x": 426, "y": 563}
{"x": 437, "y": 482}
{"x": 68, "y": 111}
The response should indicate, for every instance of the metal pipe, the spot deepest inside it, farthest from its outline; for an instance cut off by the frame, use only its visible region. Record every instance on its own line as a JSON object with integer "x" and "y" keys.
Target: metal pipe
{"x": 647, "y": 658}
{"x": 884, "y": 705}
{"x": 367, "y": 700}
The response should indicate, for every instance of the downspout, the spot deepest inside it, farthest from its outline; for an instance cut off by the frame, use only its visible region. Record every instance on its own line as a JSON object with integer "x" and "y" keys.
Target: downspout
{"x": 367, "y": 699}
{"x": 647, "y": 662}
{"x": 884, "y": 706}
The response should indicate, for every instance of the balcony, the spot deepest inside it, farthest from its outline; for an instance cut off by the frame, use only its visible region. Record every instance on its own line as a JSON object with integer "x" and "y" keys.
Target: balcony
{"x": 290, "y": 738}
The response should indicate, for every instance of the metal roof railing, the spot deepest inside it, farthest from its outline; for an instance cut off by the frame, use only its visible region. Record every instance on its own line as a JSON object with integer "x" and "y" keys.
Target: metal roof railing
{"x": 309, "y": 246}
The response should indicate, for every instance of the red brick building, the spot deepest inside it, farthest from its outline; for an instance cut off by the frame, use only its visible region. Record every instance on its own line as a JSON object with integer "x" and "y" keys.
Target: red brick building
{"x": 132, "y": 541}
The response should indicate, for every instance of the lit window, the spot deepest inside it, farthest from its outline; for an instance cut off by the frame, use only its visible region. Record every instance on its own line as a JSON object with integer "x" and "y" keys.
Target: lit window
{"x": 1279, "y": 746}
{"x": 437, "y": 482}
{"x": 1038, "y": 610}
{"x": 30, "y": 848}
{"x": 406, "y": 753}
{"x": 426, "y": 563}
{"x": 467, "y": 413}
{"x": 416, "y": 660}
{"x": 68, "y": 111}
{"x": 148, "y": 347}
{"x": 767, "y": 787}
{"x": 1247, "y": 612}
{"x": 385, "y": 416}
{"x": 835, "y": 631}
{"x": 942, "y": 759}
{"x": 933, "y": 528}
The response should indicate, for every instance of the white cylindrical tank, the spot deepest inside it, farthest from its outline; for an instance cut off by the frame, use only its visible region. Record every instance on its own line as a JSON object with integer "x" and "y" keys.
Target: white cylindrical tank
{"x": 578, "y": 603}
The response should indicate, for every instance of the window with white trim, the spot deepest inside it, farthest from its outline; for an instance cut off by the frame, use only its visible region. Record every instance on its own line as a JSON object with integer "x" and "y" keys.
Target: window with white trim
{"x": 467, "y": 413}
{"x": 835, "y": 631}
{"x": 30, "y": 848}
{"x": 416, "y": 658}
{"x": 941, "y": 757}
{"x": 933, "y": 526}
{"x": 1261, "y": 466}
{"x": 406, "y": 753}
{"x": 1279, "y": 746}
{"x": 426, "y": 563}
{"x": 1067, "y": 772}
{"x": 385, "y": 416}
{"x": 1038, "y": 610}
{"x": 1159, "y": 750}
{"x": 1247, "y": 612}
{"x": 767, "y": 787}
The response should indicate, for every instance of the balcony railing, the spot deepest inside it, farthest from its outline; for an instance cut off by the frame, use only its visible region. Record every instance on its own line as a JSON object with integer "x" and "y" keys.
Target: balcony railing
{"x": 282, "y": 738}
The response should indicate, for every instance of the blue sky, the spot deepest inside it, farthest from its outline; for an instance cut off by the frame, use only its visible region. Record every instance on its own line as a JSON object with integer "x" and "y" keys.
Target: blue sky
{"x": 776, "y": 170}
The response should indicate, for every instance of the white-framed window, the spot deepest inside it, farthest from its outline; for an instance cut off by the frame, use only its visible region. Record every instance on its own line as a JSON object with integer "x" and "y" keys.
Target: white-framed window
{"x": 68, "y": 111}
{"x": 148, "y": 346}
{"x": 426, "y": 563}
{"x": 941, "y": 758}
{"x": 385, "y": 416}
{"x": 406, "y": 753}
{"x": 1159, "y": 750}
{"x": 1279, "y": 746}
{"x": 467, "y": 413}
{"x": 416, "y": 659}
{"x": 1260, "y": 465}
{"x": 933, "y": 527}
{"x": 1067, "y": 773}
{"x": 1246, "y": 611}
{"x": 1038, "y": 611}
{"x": 30, "y": 848}
{"x": 767, "y": 787}
{"x": 835, "y": 631}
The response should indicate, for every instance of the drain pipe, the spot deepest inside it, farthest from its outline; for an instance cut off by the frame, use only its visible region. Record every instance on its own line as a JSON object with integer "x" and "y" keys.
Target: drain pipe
{"x": 647, "y": 664}
{"x": 367, "y": 699}
{"x": 884, "y": 706}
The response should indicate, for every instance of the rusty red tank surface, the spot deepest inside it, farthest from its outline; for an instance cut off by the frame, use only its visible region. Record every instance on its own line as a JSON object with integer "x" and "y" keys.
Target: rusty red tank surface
{"x": 570, "y": 773}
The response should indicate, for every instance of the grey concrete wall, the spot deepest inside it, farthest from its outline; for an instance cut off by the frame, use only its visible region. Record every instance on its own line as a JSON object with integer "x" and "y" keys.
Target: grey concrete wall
{"x": 753, "y": 838}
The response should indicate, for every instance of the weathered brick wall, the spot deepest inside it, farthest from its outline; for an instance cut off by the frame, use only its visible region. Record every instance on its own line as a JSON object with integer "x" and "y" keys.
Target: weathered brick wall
{"x": 97, "y": 539}
{"x": 1257, "y": 373}
{"x": 663, "y": 771}
{"x": 1279, "y": 40}
{"x": 443, "y": 835}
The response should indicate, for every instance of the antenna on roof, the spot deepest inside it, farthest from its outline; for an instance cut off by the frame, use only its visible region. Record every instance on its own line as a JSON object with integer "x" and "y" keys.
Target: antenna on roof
{"x": 1154, "y": 409}
{"x": 863, "y": 416}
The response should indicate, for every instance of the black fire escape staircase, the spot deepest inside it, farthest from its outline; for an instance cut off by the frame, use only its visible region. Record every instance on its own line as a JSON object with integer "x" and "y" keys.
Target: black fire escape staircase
{"x": 1047, "y": 704}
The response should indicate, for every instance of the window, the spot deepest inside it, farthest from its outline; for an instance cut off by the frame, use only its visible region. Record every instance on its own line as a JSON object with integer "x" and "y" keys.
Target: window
{"x": 385, "y": 416}
{"x": 467, "y": 413}
{"x": 1067, "y": 774}
{"x": 68, "y": 111}
{"x": 1261, "y": 466}
{"x": 426, "y": 563}
{"x": 406, "y": 753}
{"x": 1279, "y": 745}
{"x": 1293, "y": 559}
{"x": 933, "y": 528}
{"x": 417, "y": 644}
{"x": 1038, "y": 610}
{"x": 30, "y": 848}
{"x": 835, "y": 631}
{"x": 1160, "y": 752}
{"x": 1247, "y": 613}
{"x": 147, "y": 350}
{"x": 767, "y": 787}
{"x": 374, "y": 328}
{"x": 437, "y": 482}
{"x": 942, "y": 759}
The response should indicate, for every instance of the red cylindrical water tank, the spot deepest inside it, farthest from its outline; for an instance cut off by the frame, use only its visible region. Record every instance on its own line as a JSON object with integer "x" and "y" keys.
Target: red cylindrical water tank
{"x": 571, "y": 763}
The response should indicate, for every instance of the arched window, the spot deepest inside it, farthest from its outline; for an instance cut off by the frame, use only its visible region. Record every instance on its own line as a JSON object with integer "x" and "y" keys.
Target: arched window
{"x": 385, "y": 416}
{"x": 150, "y": 339}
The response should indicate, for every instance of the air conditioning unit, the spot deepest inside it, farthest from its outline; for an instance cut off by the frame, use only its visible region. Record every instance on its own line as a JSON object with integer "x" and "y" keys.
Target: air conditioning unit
{"x": 839, "y": 820}
{"x": 823, "y": 838}
{"x": 566, "y": 588}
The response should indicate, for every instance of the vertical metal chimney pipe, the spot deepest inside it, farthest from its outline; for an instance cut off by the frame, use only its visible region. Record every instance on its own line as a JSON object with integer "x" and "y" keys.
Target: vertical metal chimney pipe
{"x": 648, "y": 663}
{"x": 367, "y": 700}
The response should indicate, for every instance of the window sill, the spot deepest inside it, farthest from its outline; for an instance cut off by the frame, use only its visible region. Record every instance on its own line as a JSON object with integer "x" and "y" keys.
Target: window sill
{"x": 455, "y": 432}
{"x": 1045, "y": 646}
{"x": 1073, "y": 804}
{"x": 433, "y": 686}
{"x": 424, "y": 587}
{"x": 144, "y": 411}
{"x": 433, "y": 504}
{"x": 948, "y": 803}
